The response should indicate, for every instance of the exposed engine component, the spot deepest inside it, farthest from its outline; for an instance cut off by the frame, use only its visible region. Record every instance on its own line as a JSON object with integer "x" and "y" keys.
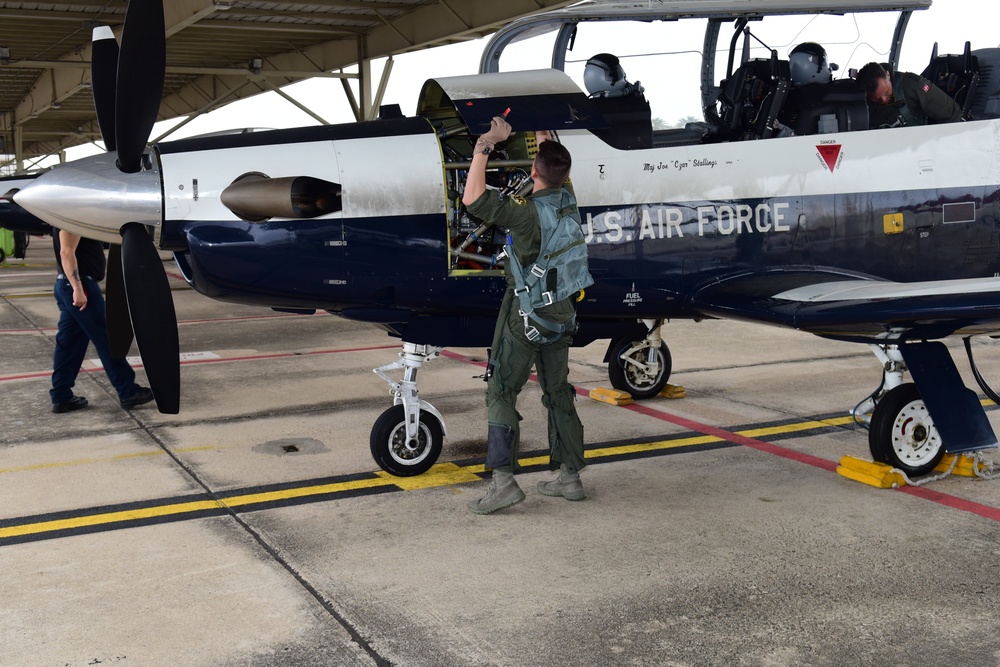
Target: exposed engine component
{"x": 476, "y": 246}
{"x": 255, "y": 197}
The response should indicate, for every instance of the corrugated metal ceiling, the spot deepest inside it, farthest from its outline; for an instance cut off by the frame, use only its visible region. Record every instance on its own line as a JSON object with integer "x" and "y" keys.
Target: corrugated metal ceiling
{"x": 45, "y": 99}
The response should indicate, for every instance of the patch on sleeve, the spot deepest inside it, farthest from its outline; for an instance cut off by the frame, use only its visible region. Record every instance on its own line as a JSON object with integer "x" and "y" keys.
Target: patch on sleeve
{"x": 518, "y": 199}
{"x": 927, "y": 88}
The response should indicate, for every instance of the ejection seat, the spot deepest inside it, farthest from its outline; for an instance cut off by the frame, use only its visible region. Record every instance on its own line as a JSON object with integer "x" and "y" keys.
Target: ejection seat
{"x": 751, "y": 98}
{"x": 821, "y": 108}
{"x": 957, "y": 75}
{"x": 986, "y": 98}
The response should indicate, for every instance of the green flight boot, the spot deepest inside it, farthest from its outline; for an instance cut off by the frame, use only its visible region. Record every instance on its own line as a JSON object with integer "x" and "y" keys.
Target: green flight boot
{"x": 567, "y": 485}
{"x": 502, "y": 493}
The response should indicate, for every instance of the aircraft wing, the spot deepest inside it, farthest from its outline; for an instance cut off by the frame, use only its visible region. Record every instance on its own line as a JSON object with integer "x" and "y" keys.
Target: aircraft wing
{"x": 855, "y": 308}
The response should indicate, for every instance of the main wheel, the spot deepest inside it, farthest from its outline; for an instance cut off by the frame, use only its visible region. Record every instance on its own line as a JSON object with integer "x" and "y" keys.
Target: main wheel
{"x": 902, "y": 432}
{"x": 391, "y": 451}
{"x": 643, "y": 373}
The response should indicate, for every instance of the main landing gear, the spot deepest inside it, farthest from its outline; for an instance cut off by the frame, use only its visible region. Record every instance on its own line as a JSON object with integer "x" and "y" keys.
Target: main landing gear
{"x": 406, "y": 439}
{"x": 901, "y": 431}
{"x": 642, "y": 367}
{"x": 913, "y": 424}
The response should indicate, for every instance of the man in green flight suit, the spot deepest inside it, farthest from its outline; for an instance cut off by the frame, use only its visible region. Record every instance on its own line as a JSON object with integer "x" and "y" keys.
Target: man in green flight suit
{"x": 513, "y": 354}
{"x": 904, "y": 98}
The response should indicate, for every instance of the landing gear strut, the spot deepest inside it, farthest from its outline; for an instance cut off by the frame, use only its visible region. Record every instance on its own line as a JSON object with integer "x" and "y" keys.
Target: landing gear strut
{"x": 642, "y": 367}
{"x": 901, "y": 431}
{"x": 406, "y": 439}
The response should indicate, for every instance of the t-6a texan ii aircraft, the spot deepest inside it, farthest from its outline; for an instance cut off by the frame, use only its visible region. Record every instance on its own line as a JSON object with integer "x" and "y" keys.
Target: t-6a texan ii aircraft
{"x": 779, "y": 203}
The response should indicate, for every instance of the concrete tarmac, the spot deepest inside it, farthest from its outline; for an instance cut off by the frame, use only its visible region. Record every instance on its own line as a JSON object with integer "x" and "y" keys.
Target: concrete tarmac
{"x": 255, "y": 529}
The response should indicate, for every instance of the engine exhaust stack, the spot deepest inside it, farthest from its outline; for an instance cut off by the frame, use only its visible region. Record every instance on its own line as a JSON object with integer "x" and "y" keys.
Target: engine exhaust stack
{"x": 255, "y": 197}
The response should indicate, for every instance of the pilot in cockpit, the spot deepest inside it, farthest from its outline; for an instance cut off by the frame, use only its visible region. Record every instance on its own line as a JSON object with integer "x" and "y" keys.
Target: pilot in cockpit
{"x": 604, "y": 77}
{"x": 807, "y": 65}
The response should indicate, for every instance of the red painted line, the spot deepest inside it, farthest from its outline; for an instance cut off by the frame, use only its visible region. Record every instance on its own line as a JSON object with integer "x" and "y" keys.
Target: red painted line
{"x": 201, "y": 321}
{"x": 282, "y": 355}
{"x": 31, "y": 376}
{"x": 954, "y": 502}
{"x": 945, "y": 499}
{"x": 251, "y": 317}
{"x": 221, "y": 360}
{"x": 759, "y": 445}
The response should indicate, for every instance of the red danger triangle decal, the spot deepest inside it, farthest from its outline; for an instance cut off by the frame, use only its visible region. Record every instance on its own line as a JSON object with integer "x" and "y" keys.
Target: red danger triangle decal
{"x": 829, "y": 153}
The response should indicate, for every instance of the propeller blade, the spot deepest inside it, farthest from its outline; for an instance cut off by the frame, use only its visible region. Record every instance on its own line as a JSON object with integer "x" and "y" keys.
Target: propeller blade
{"x": 151, "y": 308}
{"x": 103, "y": 76}
{"x": 119, "y": 325}
{"x": 141, "y": 70}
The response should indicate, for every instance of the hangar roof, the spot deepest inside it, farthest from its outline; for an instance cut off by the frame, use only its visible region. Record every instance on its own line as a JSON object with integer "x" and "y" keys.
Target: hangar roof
{"x": 217, "y": 52}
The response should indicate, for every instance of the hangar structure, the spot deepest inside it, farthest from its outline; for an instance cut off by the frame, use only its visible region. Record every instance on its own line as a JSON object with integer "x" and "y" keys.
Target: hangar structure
{"x": 218, "y": 51}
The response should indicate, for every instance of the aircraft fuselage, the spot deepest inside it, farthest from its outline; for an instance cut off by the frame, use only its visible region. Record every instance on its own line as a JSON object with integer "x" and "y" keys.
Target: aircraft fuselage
{"x": 660, "y": 223}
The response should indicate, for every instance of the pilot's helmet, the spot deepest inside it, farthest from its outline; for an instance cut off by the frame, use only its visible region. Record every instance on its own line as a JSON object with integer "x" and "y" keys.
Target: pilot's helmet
{"x": 807, "y": 64}
{"x": 603, "y": 73}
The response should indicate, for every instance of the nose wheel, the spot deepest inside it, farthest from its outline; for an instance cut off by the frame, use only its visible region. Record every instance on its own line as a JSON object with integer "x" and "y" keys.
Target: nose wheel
{"x": 902, "y": 433}
{"x": 400, "y": 455}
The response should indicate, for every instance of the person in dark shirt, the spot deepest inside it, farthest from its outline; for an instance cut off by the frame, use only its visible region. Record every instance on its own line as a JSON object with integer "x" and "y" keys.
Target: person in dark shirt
{"x": 904, "y": 98}
{"x": 81, "y": 322}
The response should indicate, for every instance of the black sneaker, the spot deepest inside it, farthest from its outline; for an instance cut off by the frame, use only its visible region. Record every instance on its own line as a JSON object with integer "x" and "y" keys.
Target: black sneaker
{"x": 75, "y": 403}
{"x": 141, "y": 396}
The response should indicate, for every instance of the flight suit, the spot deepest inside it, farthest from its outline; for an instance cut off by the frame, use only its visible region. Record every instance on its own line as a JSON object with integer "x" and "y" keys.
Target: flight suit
{"x": 916, "y": 101}
{"x": 513, "y": 354}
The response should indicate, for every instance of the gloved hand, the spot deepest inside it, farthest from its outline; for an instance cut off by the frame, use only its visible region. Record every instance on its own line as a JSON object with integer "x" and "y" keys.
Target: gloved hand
{"x": 499, "y": 131}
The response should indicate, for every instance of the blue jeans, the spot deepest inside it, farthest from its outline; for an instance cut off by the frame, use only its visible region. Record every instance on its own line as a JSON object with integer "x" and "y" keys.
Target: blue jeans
{"x": 77, "y": 329}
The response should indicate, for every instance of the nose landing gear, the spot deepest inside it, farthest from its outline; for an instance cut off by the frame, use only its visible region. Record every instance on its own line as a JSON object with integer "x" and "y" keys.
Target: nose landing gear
{"x": 406, "y": 439}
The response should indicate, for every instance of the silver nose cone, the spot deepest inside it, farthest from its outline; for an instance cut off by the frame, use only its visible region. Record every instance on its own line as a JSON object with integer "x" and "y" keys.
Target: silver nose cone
{"x": 92, "y": 198}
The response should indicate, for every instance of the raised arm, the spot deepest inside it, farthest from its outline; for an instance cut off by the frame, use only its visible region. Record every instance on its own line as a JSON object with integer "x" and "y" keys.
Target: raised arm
{"x": 475, "y": 182}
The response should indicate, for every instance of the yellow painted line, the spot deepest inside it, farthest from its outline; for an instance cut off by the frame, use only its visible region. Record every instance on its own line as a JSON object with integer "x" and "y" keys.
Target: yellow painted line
{"x": 35, "y": 295}
{"x": 117, "y": 457}
{"x": 109, "y": 517}
{"x": 442, "y": 474}
{"x": 794, "y": 428}
{"x": 185, "y": 508}
{"x": 477, "y": 469}
{"x": 335, "y": 487}
{"x": 617, "y": 450}
{"x": 532, "y": 461}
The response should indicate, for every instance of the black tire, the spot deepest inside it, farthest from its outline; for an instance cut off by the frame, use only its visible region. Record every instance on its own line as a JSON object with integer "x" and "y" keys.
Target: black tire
{"x": 3, "y": 256}
{"x": 388, "y": 443}
{"x": 20, "y": 244}
{"x": 902, "y": 432}
{"x": 627, "y": 377}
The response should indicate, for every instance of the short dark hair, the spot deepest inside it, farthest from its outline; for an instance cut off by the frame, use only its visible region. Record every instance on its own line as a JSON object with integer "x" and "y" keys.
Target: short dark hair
{"x": 553, "y": 163}
{"x": 869, "y": 76}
